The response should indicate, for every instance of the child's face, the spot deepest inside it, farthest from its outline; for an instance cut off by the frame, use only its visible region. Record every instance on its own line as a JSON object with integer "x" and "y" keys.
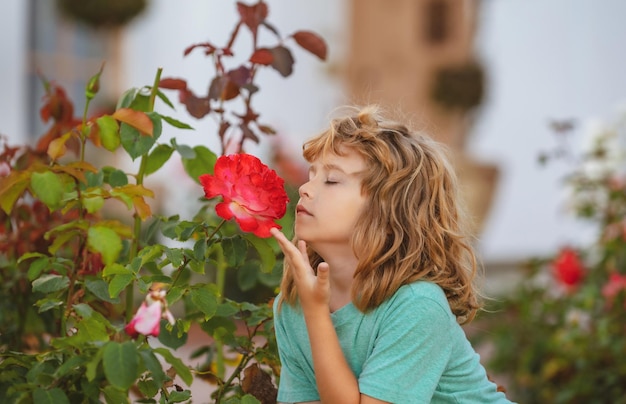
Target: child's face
{"x": 331, "y": 201}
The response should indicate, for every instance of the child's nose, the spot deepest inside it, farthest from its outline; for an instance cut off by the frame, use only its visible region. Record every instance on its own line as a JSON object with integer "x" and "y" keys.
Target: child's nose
{"x": 304, "y": 190}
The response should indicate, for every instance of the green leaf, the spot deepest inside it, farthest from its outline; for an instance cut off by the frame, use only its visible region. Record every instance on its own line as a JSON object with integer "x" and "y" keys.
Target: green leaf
{"x": 48, "y": 304}
{"x": 93, "y": 204}
{"x": 265, "y": 250}
{"x": 182, "y": 370}
{"x": 157, "y": 124}
{"x": 247, "y": 275}
{"x": 116, "y": 178}
{"x": 134, "y": 142}
{"x": 176, "y": 123}
{"x": 180, "y": 396}
{"x": 151, "y": 362}
{"x": 114, "y": 395}
{"x": 109, "y": 132}
{"x": 92, "y": 329}
{"x": 101, "y": 290}
{"x": 199, "y": 250}
{"x": 50, "y": 283}
{"x": 94, "y": 179}
{"x": 203, "y": 163}
{"x": 159, "y": 156}
{"x": 171, "y": 338}
{"x": 205, "y": 301}
{"x": 249, "y": 399}
{"x": 185, "y": 151}
{"x": 48, "y": 187}
{"x": 175, "y": 255}
{"x": 116, "y": 269}
{"x": 92, "y": 366}
{"x": 37, "y": 267}
{"x": 235, "y": 250}
{"x": 52, "y": 396}
{"x": 119, "y": 283}
{"x": 105, "y": 241}
{"x": 120, "y": 363}
{"x": 71, "y": 364}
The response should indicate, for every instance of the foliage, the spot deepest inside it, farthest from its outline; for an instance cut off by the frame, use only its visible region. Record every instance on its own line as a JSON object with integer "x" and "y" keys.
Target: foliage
{"x": 70, "y": 273}
{"x": 559, "y": 337}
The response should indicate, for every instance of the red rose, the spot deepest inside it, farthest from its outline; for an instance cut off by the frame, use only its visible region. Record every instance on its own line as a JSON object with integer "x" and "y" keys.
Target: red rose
{"x": 253, "y": 193}
{"x": 568, "y": 269}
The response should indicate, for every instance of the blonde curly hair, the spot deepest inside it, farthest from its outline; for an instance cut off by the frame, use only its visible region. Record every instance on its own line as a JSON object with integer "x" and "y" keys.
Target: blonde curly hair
{"x": 411, "y": 227}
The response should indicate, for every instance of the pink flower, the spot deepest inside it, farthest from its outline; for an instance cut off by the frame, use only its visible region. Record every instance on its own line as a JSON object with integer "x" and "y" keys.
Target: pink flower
{"x": 147, "y": 320}
{"x": 252, "y": 193}
{"x": 568, "y": 269}
{"x": 614, "y": 286}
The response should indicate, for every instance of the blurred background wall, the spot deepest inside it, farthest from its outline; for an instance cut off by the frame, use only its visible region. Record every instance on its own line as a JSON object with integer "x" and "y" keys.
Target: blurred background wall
{"x": 486, "y": 77}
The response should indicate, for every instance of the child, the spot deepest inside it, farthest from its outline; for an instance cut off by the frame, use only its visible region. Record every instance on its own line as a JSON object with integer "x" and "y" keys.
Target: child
{"x": 380, "y": 275}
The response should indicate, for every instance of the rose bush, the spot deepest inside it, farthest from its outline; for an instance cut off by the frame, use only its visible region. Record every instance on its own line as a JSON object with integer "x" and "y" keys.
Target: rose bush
{"x": 559, "y": 336}
{"x": 85, "y": 294}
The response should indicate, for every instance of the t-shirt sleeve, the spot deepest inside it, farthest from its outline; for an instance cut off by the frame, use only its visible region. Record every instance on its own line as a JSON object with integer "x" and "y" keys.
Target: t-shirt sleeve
{"x": 297, "y": 378}
{"x": 411, "y": 351}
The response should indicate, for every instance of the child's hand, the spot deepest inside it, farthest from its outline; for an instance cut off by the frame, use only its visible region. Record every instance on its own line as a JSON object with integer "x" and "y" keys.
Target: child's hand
{"x": 314, "y": 291}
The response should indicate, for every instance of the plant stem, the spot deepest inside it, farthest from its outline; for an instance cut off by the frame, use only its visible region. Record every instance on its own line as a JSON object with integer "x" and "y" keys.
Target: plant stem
{"x": 134, "y": 249}
{"x": 220, "y": 281}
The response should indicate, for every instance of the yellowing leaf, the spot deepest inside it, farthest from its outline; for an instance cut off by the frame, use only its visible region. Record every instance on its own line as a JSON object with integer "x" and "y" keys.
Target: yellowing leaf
{"x": 11, "y": 188}
{"x": 142, "y": 208}
{"x": 137, "y": 119}
{"x": 57, "y": 148}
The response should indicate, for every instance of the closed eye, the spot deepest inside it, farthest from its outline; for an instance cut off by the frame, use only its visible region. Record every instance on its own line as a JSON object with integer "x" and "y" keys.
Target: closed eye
{"x": 330, "y": 182}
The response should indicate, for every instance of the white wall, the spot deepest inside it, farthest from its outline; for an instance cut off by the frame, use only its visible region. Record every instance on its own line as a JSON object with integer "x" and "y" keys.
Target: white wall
{"x": 13, "y": 19}
{"x": 553, "y": 59}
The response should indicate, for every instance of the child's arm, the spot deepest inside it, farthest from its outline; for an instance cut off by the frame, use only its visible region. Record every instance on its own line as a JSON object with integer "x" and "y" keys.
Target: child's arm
{"x": 335, "y": 381}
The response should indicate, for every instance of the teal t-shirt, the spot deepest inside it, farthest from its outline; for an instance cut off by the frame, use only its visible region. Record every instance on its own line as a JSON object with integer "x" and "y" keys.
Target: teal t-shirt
{"x": 408, "y": 350}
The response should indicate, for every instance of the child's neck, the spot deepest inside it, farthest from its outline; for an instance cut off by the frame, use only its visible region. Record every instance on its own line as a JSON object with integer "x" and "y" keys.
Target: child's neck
{"x": 342, "y": 267}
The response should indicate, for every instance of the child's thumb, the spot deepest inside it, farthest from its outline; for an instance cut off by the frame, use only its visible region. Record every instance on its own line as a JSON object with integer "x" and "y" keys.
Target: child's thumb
{"x": 322, "y": 273}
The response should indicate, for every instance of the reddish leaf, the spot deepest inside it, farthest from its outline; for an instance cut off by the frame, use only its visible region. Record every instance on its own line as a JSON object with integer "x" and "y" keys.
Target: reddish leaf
{"x": 196, "y": 106}
{"x": 230, "y": 91}
{"x": 239, "y": 76}
{"x": 283, "y": 60}
{"x": 57, "y": 106}
{"x": 312, "y": 43}
{"x": 173, "y": 84}
{"x": 137, "y": 119}
{"x": 248, "y": 133}
{"x": 208, "y": 48}
{"x": 215, "y": 89}
{"x": 254, "y": 15}
{"x": 223, "y": 88}
{"x": 262, "y": 56}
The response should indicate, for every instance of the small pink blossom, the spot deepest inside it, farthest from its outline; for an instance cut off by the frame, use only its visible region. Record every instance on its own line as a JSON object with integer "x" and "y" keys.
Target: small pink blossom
{"x": 615, "y": 284}
{"x": 147, "y": 320}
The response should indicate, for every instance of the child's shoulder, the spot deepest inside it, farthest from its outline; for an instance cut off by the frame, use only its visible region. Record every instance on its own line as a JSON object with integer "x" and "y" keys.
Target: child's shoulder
{"x": 422, "y": 289}
{"x": 421, "y": 295}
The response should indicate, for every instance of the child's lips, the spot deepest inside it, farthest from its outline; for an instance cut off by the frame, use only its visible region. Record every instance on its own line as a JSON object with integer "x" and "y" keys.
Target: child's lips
{"x": 302, "y": 210}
